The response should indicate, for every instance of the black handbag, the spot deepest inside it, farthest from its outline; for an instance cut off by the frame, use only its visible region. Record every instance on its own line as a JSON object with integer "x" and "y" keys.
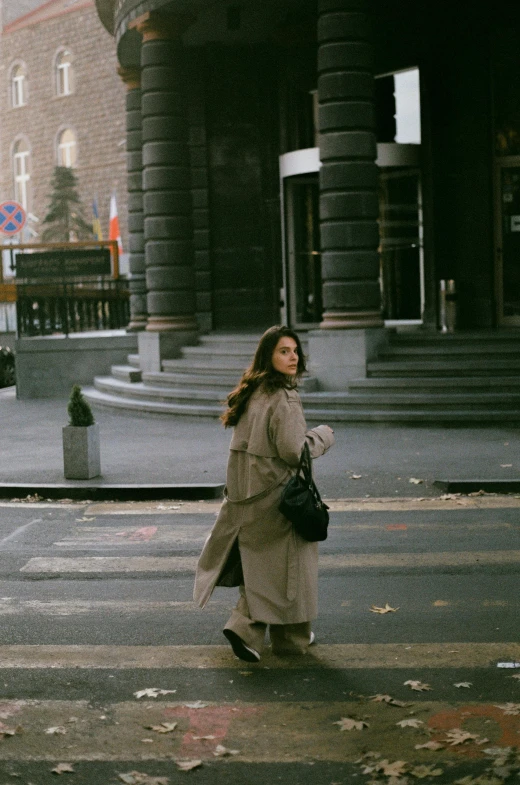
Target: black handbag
{"x": 301, "y": 502}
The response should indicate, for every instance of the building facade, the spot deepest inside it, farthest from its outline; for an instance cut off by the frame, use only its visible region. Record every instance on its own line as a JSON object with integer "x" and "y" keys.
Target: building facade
{"x": 61, "y": 103}
{"x": 324, "y": 162}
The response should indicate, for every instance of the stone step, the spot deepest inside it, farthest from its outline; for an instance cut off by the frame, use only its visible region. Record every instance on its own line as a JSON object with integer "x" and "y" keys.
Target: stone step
{"x": 127, "y": 373}
{"x": 452, "y": 351}
{"x": 323, "y": 401}
{"x": 142, "y": 391}
{"x": 211, "y": 356}
{"x": 482, "y": 416}
{"x": 133, "y": 360}
{"x": 444, "y": 367}
{"x": 191, "y": 380}
{"x": 459, "y": 337}
{"x": 99, "y": 398}
{"x": 448, "y": 384}
{"x": 226, "y": 366}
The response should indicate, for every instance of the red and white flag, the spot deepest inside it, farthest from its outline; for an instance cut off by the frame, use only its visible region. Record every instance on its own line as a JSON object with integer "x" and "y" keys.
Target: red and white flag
{"x": 114, "y": 232}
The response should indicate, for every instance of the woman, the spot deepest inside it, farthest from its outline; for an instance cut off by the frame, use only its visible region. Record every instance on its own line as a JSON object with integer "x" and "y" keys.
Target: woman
{"x": 278, "y": 585}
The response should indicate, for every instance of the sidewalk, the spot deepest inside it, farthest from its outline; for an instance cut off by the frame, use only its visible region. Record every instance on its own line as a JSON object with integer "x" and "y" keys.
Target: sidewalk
{"x": 139, "y": 449}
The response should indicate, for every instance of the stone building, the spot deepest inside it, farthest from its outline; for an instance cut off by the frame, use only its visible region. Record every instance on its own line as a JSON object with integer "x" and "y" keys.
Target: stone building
{"x": 61, "y": 103}
{"x": 327, "y": 163}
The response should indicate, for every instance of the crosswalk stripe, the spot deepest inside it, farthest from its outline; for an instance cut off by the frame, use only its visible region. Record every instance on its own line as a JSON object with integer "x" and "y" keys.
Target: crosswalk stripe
{"x": 10, "y": 606}
{"x": 334, "y": 656}
{"x": 187, "y": 564}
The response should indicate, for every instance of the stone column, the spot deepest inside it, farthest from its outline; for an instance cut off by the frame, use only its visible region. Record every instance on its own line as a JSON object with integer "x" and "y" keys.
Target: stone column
{"x": 167, "y": 207}
{"x": 137, "y": 283}
{"x": 339, "y": 351}
{"x": 348, "y": 176}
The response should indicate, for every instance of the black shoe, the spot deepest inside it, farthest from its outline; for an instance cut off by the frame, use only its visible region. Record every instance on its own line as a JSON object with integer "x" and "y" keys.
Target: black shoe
{"x": 240, "y": 649}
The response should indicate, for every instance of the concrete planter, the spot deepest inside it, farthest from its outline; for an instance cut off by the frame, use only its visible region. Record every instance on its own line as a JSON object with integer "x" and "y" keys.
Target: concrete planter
{"x": 81, "y": 454}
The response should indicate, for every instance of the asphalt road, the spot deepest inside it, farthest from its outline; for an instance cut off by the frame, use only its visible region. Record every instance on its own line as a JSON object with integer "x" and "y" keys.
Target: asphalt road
{"x": 95, "y": 606}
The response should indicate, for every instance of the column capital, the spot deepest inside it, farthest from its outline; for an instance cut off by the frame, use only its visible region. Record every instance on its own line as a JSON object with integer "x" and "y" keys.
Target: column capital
{"x": 157, "y": 26}
{"x": 131, "y": 77}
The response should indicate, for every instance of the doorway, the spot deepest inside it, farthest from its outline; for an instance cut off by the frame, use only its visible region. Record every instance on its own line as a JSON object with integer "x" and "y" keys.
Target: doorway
{"x": 508, "y": 241}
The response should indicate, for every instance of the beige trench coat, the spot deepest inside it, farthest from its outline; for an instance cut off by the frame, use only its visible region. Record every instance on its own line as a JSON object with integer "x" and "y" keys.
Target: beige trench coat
{"x": 280, "y": 568}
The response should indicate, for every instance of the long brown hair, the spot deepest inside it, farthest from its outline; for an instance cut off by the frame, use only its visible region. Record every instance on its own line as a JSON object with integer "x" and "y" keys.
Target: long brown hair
{"x": 261, "y": 371}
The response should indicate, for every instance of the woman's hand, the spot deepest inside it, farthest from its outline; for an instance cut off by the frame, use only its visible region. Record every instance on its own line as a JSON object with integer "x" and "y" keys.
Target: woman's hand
{"x": 328, "y": 426}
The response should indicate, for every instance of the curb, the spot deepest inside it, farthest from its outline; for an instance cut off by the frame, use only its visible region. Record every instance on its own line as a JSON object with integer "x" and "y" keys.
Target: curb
{"x": 470, "y": 486}
{"x": 95, "y": 492}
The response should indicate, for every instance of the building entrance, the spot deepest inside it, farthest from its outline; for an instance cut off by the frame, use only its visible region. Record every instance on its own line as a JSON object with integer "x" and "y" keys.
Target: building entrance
{"x": 508, "y": 241}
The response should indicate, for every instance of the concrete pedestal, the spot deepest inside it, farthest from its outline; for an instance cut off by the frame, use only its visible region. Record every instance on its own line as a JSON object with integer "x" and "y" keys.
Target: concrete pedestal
{"x": 337, "y": 356}
{"x": 159, "y": 346}
{"x": 81, "y": 453}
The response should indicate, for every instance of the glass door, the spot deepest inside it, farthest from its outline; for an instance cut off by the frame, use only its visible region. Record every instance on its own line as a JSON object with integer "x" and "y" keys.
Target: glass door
{"x": 508, "y": 241}
{"x": 303, "y": 250}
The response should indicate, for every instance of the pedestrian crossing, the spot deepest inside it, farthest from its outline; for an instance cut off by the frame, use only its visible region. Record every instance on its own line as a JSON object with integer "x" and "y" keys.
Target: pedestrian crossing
{"x": 106, "y": 664}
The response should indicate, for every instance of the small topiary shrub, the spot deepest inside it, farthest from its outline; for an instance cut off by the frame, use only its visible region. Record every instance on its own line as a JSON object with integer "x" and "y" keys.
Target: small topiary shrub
{"x": 80, "y": 413}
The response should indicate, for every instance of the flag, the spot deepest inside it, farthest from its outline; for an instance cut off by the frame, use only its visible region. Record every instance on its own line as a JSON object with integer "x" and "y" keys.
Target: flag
{"x": 96, "y": 223}
{"x": 114, "y": 233}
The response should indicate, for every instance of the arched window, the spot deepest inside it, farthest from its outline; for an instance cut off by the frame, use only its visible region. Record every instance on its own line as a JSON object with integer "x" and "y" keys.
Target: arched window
{"x": 64, "y": 73}
{"x": 67, "y": 148}
{"x": 18, "y": 85}
{"x": 21, "y": 172}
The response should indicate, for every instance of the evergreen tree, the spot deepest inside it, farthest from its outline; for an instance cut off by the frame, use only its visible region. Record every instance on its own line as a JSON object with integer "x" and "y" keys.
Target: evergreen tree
{"x": 64, "y": 221}
{"x": 80, "y": 413}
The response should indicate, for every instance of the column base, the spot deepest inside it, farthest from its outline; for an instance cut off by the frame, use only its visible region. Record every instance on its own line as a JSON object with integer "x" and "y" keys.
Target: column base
{"x": 137, "y": 324}
{"x": 159, "y": 324}
{"x": 338, "y": 356}
{"x": 337, "y": 320}
{"x": 154, "y": 347}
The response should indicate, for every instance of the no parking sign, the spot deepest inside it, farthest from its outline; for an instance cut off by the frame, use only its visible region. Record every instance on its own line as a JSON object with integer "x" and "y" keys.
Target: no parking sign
{"x": 12, "y": 218}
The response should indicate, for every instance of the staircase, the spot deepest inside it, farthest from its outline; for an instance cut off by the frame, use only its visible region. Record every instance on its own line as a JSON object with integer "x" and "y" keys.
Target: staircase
{"x": 420, "y": 377}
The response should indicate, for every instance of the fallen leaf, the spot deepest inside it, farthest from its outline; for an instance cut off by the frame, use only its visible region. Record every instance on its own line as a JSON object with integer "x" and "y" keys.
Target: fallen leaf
{"x": 425, "y": 771}
{"x": 412, "y": 722}
{"x": 196, "y": 705}
{"x": 509, "y": 708}
{"x": 355, "y": 476}
{"x": 394, "y": 769}
{"x": 465, "y": 684}
{"x": 386, "y": 609}
{"x": 459, "y": 736}
{"x": 152, "y": 692}
{"x": 347, "y": 723}
{"x": 57, "y": 730}
{"x": 506, "y": 465}
{"x": 388, "y": 699}
{"x": 516, "y": 676}
{"x": 418, "y": 686}
{"x": 164, "y": 727}
{"x": 415, "y": 481}
{"x": 140, "y": 778}
{"x": 223, "y": 752}
{"x": 63, "y": 768}
{"x": 188, "y": 765}
{"x": 448, "y": 496}
{"x": 198, "y": 738}
{"x": 430, "y": 745}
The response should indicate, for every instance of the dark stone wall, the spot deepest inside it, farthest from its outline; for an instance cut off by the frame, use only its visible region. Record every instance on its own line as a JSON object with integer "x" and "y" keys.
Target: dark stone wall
{"x": 242, "y": 144}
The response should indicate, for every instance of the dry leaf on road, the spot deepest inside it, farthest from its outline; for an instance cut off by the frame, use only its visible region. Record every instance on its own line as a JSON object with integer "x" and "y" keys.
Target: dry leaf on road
{"x": 56, "y": 730}
{"x": 152, "y": 692}
{"x": 459, "y": 736}
{"x": 426, "y": 771}
{"x": 140, "y": 778}
{"x": 195, "y": 705}
{"x": 430, "y": 745}
{"x": 418, "y": 686}
{"x": 347, "y": 723}
{"x": 509, "y": 708}
{"x": 465, "y": 684}
{"x": 394, "y": 769}
{"x": 415, "y": 481}
{"x": 355, "y": 476}
{"x": 63, "y": 768}
{"x": 386, "y": 609}
{"x": 188, "y": 765}
{"x": 389, "y": 700}
{"x": 223, "y": 752}
{"x": 164, "y": 727}
{"x": 412, "y": 722}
